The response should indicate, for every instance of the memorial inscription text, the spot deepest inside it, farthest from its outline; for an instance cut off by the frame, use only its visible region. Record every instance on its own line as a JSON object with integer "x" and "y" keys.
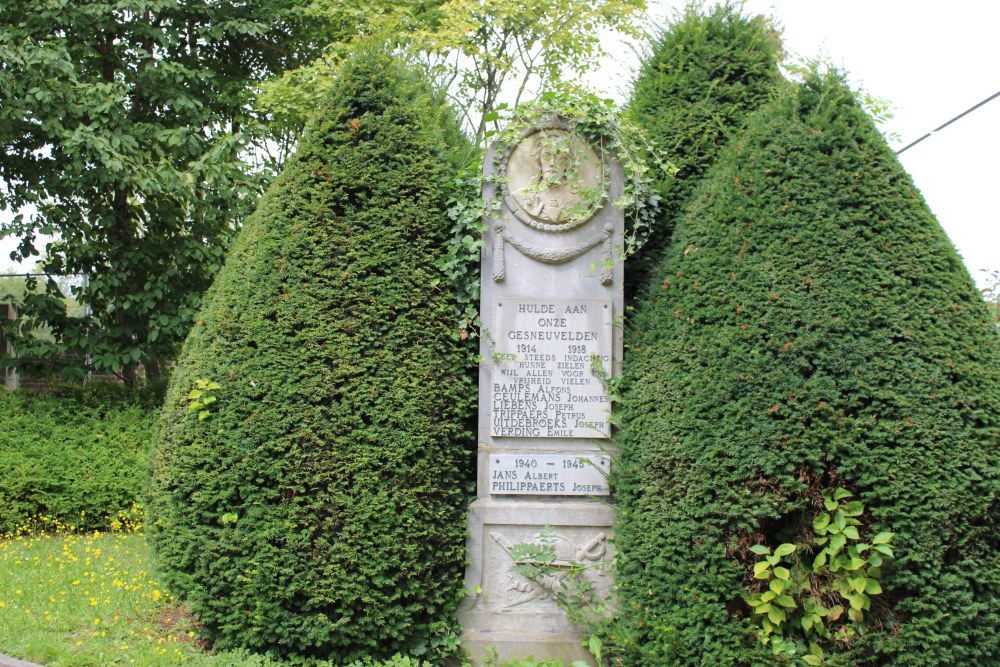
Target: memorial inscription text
{"x": 551, "y": 357}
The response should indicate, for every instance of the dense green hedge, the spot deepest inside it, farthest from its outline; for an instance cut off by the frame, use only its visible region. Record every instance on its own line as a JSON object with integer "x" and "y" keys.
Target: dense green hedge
{"x": 77, "y": 456}
{"x": 318, "y": 512}
{"x": 811, "y": 326}
{"x": 705, "y": 73}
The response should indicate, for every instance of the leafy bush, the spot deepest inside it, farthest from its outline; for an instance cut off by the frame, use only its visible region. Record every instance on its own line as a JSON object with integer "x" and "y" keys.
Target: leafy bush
{"x": 810, "y": 328}
{"x": 705, "y": 73}
{"x": 317, "y": 511}
{"x": 76, "y": 456}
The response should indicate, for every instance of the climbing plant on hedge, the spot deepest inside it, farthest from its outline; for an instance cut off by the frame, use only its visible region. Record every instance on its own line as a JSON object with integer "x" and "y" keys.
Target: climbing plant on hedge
{"x": 313, "y": 461}
{"x": 812, "y": 335}
{"x": 705, "y": 73}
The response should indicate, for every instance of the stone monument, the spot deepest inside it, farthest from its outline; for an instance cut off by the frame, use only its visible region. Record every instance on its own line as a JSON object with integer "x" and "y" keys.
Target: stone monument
{"x": 551, "y": 302}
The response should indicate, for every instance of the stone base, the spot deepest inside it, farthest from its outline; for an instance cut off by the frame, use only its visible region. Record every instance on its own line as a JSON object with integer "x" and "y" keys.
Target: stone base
{"x": 509, "y": 614}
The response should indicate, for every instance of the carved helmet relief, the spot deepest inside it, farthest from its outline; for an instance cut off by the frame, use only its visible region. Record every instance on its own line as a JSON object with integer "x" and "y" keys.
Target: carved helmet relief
{"x": 553, "y": 181}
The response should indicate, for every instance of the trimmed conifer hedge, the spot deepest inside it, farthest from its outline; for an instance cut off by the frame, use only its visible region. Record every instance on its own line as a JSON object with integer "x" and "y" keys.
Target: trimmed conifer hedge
{"x": 313, "y": 503}
{"x": 811, "y": 327}
{"x": 706, "y": 72}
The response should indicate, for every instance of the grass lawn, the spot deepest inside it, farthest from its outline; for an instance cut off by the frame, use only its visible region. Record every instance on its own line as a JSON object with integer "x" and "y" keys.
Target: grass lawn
{"x": 81, "y": 599}
{"x": 72, "y": 599}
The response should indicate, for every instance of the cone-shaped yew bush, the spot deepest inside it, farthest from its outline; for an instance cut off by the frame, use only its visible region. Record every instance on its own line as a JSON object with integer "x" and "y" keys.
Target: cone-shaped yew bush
{"x": 810, "y": 328}
{"x": 704, "y": 75}
{"x": 313, "y": 502}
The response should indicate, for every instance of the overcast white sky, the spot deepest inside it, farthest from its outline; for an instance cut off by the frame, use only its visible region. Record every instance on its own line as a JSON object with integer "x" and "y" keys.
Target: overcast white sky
{"x": 932, "y": 61}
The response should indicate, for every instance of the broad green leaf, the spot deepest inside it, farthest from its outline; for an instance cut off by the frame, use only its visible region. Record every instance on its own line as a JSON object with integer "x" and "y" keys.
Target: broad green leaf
{"x": 884, "y": 549}
{"x": 784, "y": 550}
{"x": 762, "y": 570}
{"x": 874, "y": 559}
{"x": 857, "y": 600}
{"x": 873, "y": 587}
{"x": 858, "y": 583}
{"x": 854, "y": 508}
{"x": 786, "y": 601}
{"x": 836, "y": 611}
{"x": 883, "y": 538}
{"x": 782, "y": 572}
{"x": 776, "y": 615}
{"x": 820, "y": 560}
{"x": 767, "y": 596}
{"x": 831, "y": 504}
{"x": 821, "y": 521}
{"x": 855, "y": 615}
{"x": 762, "y": 609}
{"x": 840, "y": 494}
{"x": 812, "y": 660}
{"x": 840, "y": 520}
{"x": 777, "y": 585}
{"x": 837, "y": 543}
{"x": 760, "y": 550}
{"x": 851, "y": 533}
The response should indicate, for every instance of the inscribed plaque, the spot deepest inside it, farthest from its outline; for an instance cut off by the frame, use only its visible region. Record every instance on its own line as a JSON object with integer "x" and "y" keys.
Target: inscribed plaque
{"x": 552, "y": 358}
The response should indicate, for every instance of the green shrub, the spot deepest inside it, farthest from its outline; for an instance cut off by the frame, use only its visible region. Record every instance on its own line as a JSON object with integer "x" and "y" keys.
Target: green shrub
{"x": 705, "y": 73}
{"x": 317, "y": 511}
{"x": 810, "y": 328}
{"x": 76, "y": 456}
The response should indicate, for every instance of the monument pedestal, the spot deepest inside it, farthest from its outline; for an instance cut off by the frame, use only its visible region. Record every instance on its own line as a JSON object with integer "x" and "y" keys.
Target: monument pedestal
{"x": 551, "y": 292}
{"x": 511, "y": 614}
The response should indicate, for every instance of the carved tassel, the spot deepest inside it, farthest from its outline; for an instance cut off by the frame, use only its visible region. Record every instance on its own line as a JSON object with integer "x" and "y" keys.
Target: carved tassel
{"x": 499, "y": 244}
{"x": 607, "y": 266}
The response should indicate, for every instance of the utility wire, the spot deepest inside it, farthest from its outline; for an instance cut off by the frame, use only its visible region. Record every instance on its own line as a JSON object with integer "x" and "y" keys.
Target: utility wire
{"x": 961, "y": 115}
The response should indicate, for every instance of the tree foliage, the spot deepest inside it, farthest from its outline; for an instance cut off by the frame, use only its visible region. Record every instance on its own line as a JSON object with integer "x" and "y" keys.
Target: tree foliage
{"x": 124, "y": 126}
{"x": 482, "y": 52}
{"x": 706, "y": 72}
{"x": 312, "y": 467}
{"x": 810, "y": 327}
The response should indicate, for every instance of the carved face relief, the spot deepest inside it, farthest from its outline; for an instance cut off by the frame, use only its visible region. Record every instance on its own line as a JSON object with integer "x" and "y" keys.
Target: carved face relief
{"x": 555, "y": 181}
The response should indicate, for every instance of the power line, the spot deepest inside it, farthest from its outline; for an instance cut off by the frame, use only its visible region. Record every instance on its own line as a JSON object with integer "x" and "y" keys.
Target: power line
{"x": 961, "y": 115}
